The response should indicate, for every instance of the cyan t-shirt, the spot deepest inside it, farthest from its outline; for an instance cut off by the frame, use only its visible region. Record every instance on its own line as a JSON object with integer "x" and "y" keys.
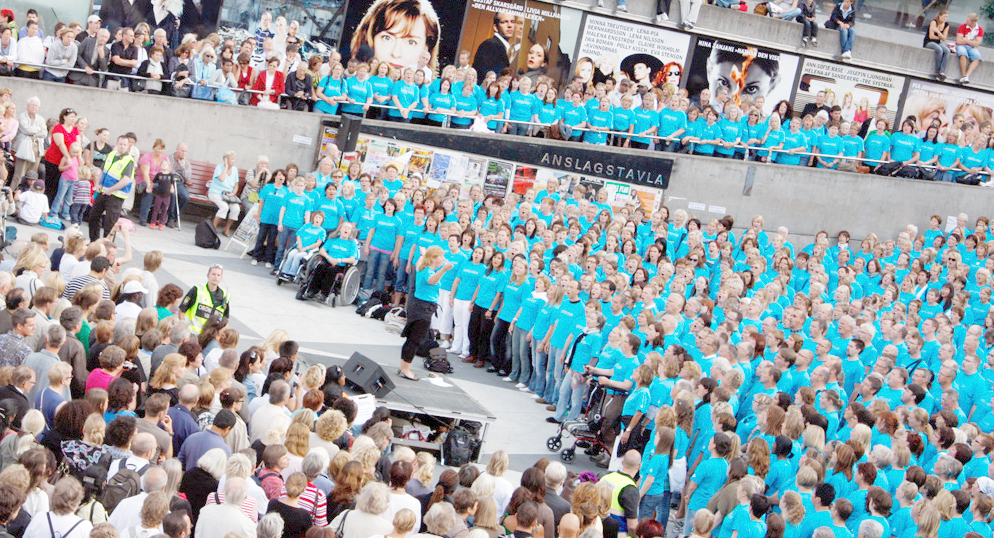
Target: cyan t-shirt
{"x": 296, "y": 206}
{"x": 385, "y": 231}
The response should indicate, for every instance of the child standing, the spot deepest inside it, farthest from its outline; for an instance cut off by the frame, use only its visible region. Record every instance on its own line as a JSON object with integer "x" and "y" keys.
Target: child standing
{"x": 162, "y": 193}
{"x": 69, "y": 168}
{"x": 82, "y": 194}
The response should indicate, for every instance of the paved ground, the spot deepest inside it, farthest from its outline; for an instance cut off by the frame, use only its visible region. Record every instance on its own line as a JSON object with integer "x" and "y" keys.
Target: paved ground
{"x": 259, "y": 306}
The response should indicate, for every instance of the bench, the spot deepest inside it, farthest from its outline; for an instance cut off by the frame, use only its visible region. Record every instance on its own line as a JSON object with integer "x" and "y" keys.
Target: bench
{"x": 201, "y": 172}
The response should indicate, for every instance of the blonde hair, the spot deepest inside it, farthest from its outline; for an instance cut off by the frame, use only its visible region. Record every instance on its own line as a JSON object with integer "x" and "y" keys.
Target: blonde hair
{"x": 298, "y": 439}
{"x": 331, "y": 425}
{"x": 433, "y": 253}
{"x": 498, "y": 463}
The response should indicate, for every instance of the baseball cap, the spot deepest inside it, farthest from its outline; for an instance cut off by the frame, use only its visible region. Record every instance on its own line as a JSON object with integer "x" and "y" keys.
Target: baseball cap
{"x": 93, "y": 18}
{"x": 31, "y": 175}
{"x": 133, "y": 286}
{"x": 38, "y": 184}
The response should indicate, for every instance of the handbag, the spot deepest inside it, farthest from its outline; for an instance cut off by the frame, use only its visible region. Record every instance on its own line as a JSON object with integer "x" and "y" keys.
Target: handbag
{"x": 339, "y": 532}
{"x": 231, "y": 199}
{"x": 244, "y": 97}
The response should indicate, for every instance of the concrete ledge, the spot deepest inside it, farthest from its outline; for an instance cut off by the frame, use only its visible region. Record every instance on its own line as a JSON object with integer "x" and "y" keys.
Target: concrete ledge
{"x": 803, "y": 199}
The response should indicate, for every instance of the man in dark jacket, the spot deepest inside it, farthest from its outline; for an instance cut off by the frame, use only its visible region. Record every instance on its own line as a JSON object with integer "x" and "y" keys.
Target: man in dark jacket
{"x": 92, "y": 56}
{"x": 492, "y": 54}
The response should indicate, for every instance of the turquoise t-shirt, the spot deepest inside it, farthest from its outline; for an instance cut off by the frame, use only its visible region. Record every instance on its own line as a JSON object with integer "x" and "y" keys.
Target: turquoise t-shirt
{"x": 875, "y": 146}
{"x": 456, "y": 259}
{"x": 341, "y": 249}
{"x": 464, "y": 103}
{"x": 382, "y": 87}
{"x": 790, "y": 141}
{"x": 970, "y": 159}
{"x": 522, "y": 106}
{"x": 406, "y": 93}
{"x": 331, "y": 88}
{"x": 310, "y": 234}
{"x": 773, "y": 138}
{"x": 443, "y": 102}
{"x": 622, "y": 118}
{"x": 903, "y": 147}
{"x": 671, "y": 121}
{"x": 514, "y": 294}
{"x": 548, "y": 113}
{"x": 296, "y": 206}
{"x": 530, "y": 308}
{"x": 424, "y": 290}
{"x": 489, "y": 286}
{"x": 658, "y": 469}
{"x": 852, "y": 145}
{"x": 731, "y": 131}
{"x": 358, "y": 90}
{"x": 830, "y": 147}
{"x": 493, "y": 107}
{"x": 573, "y": 116}
{"x": 709, "y": 476}
{"x": 385, "y": 231}
{"x": 569, "y": 321}
{"x": 469, "y": 276}
{"x": 272, "y": 203}
{"x": 597, "y": 118}
{"x": 333, "y": 211}
{"x": 645, "y": 119}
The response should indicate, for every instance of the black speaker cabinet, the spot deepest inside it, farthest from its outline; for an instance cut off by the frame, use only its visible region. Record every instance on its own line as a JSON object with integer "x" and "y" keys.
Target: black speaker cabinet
{"x": 348, "y": 133}
{"x": 364, "y": 375}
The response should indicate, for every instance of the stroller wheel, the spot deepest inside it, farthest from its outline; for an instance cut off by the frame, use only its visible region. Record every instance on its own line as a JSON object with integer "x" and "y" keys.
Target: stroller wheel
{"x": 596, "y": 417}
{"x": 554, "y": 444}
{"x": 568, "y": 455}
{"x": 279, "y": 281}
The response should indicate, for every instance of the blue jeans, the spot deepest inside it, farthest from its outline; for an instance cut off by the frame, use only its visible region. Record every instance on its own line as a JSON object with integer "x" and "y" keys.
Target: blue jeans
{"x": 571, "y": 397}
{"x": 284, "y": 241}
{"x": 971, "y": 53}
{"x": 947, "y": 176}
{"x": 376, "y": 270}
{"x": 145, "y": 205}
{"x": 521, "y": 362}
{"x": 519, "y": 129}
{"x": 553, "y": 375}
{"x": 942, "y": 54}
{"x": 401, "y": 277}
{"x": 292, "y": 262}
{"x": 539, "y": 361}
{"x": 791, "y": 14}
{"x": 655, "y": 507}
{"x": 63, "y": 198}
{"x": 846, "y": 38}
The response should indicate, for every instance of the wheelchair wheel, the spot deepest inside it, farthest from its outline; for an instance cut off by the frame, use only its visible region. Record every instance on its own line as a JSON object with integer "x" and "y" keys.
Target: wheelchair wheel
{"x": 350, "y": 287}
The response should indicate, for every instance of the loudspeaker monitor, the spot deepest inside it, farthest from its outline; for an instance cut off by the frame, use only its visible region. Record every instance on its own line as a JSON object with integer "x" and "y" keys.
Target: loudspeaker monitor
{"x": 348, "y": 133}
{"x": 364, "y": 375}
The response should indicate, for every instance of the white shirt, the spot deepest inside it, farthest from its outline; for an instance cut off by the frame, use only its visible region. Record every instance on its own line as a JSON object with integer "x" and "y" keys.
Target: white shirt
{"x": 400, "y": 501}
{"x": 132, "y": 462}
{"x": 220, "y": 519}
{"x": 259, "y": 425}
{"x": 36, "y": 502}
{"x": 502, "y": 493}
{"x": 34, "y": 205}
{"x": 38, "y": 528}
{"x": 127, "y": 310}
{"x": 127, "y": 514}
{"x": 66, "y": 265}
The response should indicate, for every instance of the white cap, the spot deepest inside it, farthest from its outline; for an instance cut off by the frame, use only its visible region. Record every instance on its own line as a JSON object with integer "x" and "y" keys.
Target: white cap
{"x": 133, "y": 286}
{"x": 93, "y": 18}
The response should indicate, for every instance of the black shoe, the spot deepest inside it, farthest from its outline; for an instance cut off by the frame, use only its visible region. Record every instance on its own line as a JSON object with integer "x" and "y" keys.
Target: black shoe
{"x": 552, "y": 420}
{"x": 491, "y": 369}
{"x": 171, "y": 224}
{"x": 321, "y": 298}
{"x": 273, "y": 272}
{"x": 142, "y": 223}
{"x": 583, "y": 444}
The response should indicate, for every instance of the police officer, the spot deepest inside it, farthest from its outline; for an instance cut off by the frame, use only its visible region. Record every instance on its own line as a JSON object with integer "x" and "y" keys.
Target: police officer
{"x": 206, "y": 300}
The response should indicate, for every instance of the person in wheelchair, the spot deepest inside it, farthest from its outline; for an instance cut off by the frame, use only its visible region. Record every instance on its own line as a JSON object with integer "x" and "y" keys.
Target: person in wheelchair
{"x": 309, "y": 239}
{"x": 337, "y": 255}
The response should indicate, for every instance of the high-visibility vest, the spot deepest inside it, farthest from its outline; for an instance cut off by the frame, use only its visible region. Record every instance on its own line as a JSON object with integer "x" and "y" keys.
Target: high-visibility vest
{"x": 114, "y": 172}
{"x": 204, "y": 308}
{"x": 618, "y": 481}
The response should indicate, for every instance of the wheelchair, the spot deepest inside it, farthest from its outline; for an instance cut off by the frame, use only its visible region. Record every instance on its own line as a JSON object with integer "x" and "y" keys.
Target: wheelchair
{"x": 307, "y": 265}
{"x": 344, "y": 289}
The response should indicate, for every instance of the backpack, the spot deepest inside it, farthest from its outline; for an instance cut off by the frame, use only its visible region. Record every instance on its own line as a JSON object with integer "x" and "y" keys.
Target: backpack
{"x": 424, "y": 350}
{"x": 395, "y": 320}
{"x": 206, "y": 236}
{"x": 364, "y": 309}
{"x": 438, "y": 361}
{"x": 459, "y": 447}
{"x": 258, "y": 477}
{"x": 379, "y": 312}
{"x": 126, "y": 483}
{"x": 971, "y": 179}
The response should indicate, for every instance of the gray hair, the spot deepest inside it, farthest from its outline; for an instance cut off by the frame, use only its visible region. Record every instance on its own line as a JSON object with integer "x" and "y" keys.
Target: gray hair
{"x": 315, "y": 462}
{"x": 154, "y": 480}
{"x": 555, "y": 475}
{"x": 278, "y": 391}
{"x": 174, "y": 472}
{"x": 870, "y": 529}
{"x": 270, "y": 526}
{"x": 373, "y": 498}
{"x": 235, "y": 490}
{"x": 823, "y": 532}
{"x": 440, "y": 519}
{"x": 34, "y": 100}
{"x": 214, "y": 462}
{"x": 179, "y": 333}
{"x": 56, "y": 335}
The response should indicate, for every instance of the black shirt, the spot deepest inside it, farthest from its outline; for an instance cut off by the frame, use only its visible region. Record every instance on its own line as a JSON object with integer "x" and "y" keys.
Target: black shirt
{"x": 813, "y": 108}
{"x": 296, "y": 520}
{"x": 117, "y": 49}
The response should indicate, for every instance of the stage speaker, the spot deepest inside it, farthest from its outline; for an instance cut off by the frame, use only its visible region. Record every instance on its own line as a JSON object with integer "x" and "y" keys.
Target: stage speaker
{"x": 364, "y": 375}
{"x": 348, "y": 133}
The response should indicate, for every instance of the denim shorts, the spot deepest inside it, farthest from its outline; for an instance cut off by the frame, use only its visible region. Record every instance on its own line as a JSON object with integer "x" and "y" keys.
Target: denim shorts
{"x": 973, "y": 53}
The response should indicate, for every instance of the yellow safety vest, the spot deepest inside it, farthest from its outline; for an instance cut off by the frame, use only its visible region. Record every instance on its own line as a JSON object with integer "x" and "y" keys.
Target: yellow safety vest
{"x": 204, "y": 308}
{"x": 618, "y": 481}
{"x": 114, "y": 172}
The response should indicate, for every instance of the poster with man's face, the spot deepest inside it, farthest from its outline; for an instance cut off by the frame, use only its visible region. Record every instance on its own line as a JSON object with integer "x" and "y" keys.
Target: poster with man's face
{"x": 403, "y": 32}
{"x": 530, "y": 38}
{"x": 856, "y": 90}
{"x": 646, "y": 55}
{"x": 745, "y": 72}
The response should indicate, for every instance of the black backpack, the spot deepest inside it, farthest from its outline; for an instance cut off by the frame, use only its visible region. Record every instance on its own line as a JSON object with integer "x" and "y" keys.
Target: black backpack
{"x": 438, "y": 361}
{"x": 366, "y": 307}
{"x": 460, "y": 447}
{"x": 125, "y": 483}
{"x": 206, "y": 236}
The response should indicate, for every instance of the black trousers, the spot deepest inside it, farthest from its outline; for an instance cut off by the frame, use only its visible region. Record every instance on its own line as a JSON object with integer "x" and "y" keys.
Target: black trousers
{"x": 498, "y": 346}
{"x": 104, "y": 213}
{"x": 612, "y": 419}
{"x": 479, "y": 333}
{"x": 324, "y": 277}
{"x": 419, "y": 315}
{"x": 52, "y": 176}
{"x": 265, "y": 243}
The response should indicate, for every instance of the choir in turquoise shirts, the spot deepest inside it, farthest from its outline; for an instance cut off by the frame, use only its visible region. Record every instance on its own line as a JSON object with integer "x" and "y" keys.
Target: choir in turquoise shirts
{"x": 598, "y": 118}
{"x": 406, "y": 94}
{"x": 331, "y": 87}
{"x": 903, "y": 147}
{"x": 359, "y": 91}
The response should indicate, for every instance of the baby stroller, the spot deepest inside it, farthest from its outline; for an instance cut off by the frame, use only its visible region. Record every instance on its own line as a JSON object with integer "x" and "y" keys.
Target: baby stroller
{"x": 585, "y": 429}
{"x": 344, "y": 289}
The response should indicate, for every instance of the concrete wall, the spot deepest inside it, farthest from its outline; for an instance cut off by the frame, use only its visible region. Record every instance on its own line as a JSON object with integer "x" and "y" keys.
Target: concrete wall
{"x": 803, "y": 199}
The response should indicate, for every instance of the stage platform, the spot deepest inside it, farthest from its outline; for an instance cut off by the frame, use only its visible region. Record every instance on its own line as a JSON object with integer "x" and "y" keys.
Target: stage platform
{"x": 427, "y": 396}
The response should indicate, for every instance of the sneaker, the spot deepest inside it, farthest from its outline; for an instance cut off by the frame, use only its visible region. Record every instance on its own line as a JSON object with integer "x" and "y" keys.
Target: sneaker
{"x": 445, "y": 344}
{"x": 508, "y": 378}
{"x": 600, "y": 3}
{"x": 964, "y": 80}
{"x": 804, "y": 42}
{"x": 622, "y": 8}
{"x": 269, "y": 265}
{"x": 520, "y": 386}
{"x": 847, "y": 56}
{"x": 254, "y": 262}
{"x": 688, "y": 25}
{"x": 661, "y": 18}
{"x": 814, "y": 42}
{"x": 538, "y": 397}
{"x": 525, "y": 389}
{"x": 464, "y": 355}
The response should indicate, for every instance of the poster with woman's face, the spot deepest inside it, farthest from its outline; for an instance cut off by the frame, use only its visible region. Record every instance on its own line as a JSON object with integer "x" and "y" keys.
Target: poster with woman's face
{"x": 528, "y": 37}
{"x": 646, "y": 55}
{"x": 928, "y": 101}
{"x": 745, "y": 72}
{"x": 403, "y": 32}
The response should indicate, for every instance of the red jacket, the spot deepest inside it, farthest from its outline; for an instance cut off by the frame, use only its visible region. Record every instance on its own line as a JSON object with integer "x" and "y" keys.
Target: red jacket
{"x": 260, "y": 85}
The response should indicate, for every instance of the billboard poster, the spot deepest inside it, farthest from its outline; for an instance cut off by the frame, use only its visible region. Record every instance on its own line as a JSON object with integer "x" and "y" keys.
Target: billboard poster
{"x": 857, "y": 90}
{"x": 499, "y": 174}
{"x": 398, "y": 31}
{"x": 476, "y": 168}
{"x": 531, "y": 38}
{"x": 621, "y": 194}
{"x": 524, "y": 179}
{"x": 645, "y": 54}
{"x": 746, "y": 72}
{"x": 927, "y": 101}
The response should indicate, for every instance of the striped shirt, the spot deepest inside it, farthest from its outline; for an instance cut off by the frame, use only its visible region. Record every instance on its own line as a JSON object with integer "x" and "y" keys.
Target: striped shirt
{"x": 315, "y": 502}
{"x": 249, "y": 505}
{"x": 80, "y": 282}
